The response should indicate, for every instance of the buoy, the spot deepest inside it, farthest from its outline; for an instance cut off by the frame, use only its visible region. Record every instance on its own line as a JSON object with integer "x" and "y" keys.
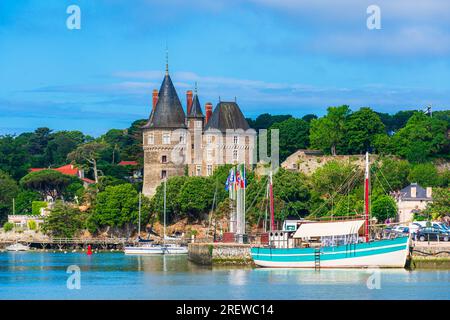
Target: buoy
{"x": 89, "y": 250}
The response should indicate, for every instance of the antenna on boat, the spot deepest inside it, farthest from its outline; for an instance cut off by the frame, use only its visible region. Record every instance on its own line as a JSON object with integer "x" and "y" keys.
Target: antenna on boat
{"x": 366, "y": 197}
{"x": 272, "y": 213}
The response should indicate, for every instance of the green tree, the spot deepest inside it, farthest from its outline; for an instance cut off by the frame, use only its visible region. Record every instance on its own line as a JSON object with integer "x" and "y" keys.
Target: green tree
{"x": 327, "y": 133}
{"x": 440, "y": 207}
{"x": 64, "y": 221}
{"x": 60, "y": 144}
{"x": 425, "y": 174}
{"x": 335, "y": 177}
{"x": 173, "y": 189}
{"x": 421, "y": 138}
{"x": 25, "y": 200}
{"x": 47, "y": 182}
{"x": 361, "y": 128}
{"x": 391, "y": 173}
{"x": 118, "y": 207}
{"x": 384, "y": 207}
{"x": 196, "y": 197}
{"x": 8, "y": 226}
{"x": 8, "y": 190}
{"x": 89, "y": 154}
{"x": 294, "y": 135}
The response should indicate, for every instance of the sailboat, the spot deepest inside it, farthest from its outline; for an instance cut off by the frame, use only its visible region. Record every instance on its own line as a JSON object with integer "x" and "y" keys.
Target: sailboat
{"x": 333, "y": 244}
{"x": 151, "y": 248}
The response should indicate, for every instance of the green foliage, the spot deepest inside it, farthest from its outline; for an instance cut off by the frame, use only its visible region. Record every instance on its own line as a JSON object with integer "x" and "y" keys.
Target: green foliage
{"x": 361, "y": 128}
{"x": 327, "y": 133}
{"x": 37, "y": 206}
{"x": 384, "y": 207}
{"x": 293, "y": 134}
{"x": 8, "y": 226}
{"x": 47, "y": 182}
{"x": 118, "y": 206}
{"x": 425, "y": 174}
{"x": 196, "y": 196}
{"x": 392, "y": 174}
{"x": 8, "y": 190}
{"x": 265, "y": 121}
{"x": 32, "y": 225}
{"x": 440, "y": 207}
{"x": 106, "y": 181}
{"x": 24, "y": 201}
{"x": 64, "y": 221}
{"x": 328, "y": 179}
{"x": 421, "y": 138}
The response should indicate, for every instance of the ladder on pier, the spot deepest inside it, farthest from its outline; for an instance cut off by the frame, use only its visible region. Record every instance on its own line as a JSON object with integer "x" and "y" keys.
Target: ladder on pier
{"x": 317, "y": 259}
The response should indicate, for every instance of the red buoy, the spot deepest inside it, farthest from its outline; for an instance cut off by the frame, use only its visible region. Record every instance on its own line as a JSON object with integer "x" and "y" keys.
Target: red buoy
{"x": 89, "y": 250}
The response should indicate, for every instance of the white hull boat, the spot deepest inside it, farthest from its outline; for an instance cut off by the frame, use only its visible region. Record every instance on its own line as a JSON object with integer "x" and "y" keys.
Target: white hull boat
{"x": 17, "y": 247}
{"x": 151, "y": 249}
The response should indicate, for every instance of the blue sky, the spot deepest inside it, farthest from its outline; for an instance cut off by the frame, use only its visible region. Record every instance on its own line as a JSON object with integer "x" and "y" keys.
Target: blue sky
{"x": 276, "y": 56}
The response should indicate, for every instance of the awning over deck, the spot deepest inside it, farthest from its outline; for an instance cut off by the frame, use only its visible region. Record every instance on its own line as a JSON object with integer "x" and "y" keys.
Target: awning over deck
{"x": 327, "y": 229}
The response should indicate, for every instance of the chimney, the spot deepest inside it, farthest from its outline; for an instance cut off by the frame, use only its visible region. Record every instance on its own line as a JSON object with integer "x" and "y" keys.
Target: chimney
{"x": 429, "y": 192}
{"x": 208, "y": 110}
{"x": 189, "y": 101}
{"x": 155, "y": 99}
{"x": 413, "y": 191}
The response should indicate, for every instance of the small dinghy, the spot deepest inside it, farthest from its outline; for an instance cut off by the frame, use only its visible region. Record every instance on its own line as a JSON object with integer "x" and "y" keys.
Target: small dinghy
{"x": 17, "y": 247}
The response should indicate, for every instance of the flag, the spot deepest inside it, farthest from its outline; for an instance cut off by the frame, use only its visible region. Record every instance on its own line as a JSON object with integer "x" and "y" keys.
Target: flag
{"x": 238, "y": 178}
{"x": 244, "y": 178}
{"x": 227, "y": 183}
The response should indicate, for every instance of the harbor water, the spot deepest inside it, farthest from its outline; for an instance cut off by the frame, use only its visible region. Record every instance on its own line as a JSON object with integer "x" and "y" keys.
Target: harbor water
{"x": 49, "y": 275}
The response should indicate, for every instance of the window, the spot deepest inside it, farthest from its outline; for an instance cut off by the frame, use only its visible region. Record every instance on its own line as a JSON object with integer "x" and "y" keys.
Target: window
{"x": 182, "y": 137}
{"x": 198, "y": 124}
{"x": 209, "y": 138}
{"x": 164, "y": 159}
{"x": 235, "y": 155}
{"x": 236, "y": 139}
{"x": 166, "y": 138}
{"x": 209, "y": 169}
{"x": 163, "y": 174}
{"x": 151, "y": 138}
{"x": 199, "y": 170}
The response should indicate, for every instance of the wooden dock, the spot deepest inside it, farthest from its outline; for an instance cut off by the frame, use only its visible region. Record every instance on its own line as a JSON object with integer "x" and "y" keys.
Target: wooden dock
{"x": 73, "y": 243}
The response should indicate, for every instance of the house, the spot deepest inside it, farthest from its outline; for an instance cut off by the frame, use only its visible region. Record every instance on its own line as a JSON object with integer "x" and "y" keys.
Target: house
{"x": 410, "y": 200}
{"x": 70, "y": 170}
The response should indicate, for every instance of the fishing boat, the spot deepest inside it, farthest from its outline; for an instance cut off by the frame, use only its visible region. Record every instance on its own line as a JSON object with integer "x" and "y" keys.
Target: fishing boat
{"x": 17, "y": 247}
{"x": 336, "y": 244}
{"x": 147, "y": 247}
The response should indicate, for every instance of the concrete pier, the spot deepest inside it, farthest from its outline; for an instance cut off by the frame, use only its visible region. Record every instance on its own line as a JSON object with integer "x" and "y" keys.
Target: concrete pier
{"x": 220, "y": 253}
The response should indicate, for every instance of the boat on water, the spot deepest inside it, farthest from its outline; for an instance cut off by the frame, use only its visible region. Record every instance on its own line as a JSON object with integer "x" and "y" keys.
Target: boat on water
{"x": 336, "y": 244}
{"x": 17, "y": 247}
{"x": 147, "y": 247}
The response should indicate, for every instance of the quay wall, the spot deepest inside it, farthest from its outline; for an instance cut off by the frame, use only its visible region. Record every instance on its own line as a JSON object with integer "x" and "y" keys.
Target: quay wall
{"x": 220, "y": 253}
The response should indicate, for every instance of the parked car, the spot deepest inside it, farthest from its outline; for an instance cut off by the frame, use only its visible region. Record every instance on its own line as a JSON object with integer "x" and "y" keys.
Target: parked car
{"x": 432, "y": 234}
{"x": 401, "y": 229}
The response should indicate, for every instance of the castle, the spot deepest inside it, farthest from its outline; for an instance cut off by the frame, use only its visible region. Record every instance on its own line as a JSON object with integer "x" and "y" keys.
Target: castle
{"x": 176, "y": 143}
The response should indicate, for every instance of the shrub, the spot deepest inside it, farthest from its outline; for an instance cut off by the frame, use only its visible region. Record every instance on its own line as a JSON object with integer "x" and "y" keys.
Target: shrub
{"x": 36, "y": 207}
{"x": 8, "y": 226}
{"x": 32, "y": 225}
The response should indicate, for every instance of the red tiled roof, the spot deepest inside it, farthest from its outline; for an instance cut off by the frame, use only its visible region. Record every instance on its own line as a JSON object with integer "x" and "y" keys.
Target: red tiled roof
{"x": 88, "y": 180}
{"x": 128, "y": 163}
{"x": 67, "y": 169}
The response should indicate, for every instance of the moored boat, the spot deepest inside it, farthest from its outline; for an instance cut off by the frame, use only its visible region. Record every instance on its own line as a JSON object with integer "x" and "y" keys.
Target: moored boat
{"x": 17, "y": 247}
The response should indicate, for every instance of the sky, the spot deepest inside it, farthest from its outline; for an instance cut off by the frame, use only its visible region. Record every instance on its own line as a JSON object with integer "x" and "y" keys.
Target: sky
{"x": 277, "y": 56}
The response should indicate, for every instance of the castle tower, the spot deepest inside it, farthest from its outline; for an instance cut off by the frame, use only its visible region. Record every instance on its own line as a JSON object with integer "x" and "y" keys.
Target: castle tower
{"x": 195, "y": 124}
{"x": 162, "y": 139}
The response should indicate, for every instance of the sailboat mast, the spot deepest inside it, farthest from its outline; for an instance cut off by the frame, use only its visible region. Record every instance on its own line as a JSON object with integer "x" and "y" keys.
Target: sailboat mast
{"x": 165, "y": 190}
{"x": 272, "y": 211}
{"x": 139, "y": 219}
{"x": 366, "y": 197}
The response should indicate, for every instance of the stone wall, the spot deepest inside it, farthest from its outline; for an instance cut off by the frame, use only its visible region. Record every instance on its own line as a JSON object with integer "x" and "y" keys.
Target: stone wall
{"x": 219, "y": 253}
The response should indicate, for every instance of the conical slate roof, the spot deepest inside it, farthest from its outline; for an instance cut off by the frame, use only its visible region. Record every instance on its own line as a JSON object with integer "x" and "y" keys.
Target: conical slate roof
{"x": 227, "y": 115}
{"x": 196, "y": 109}
{"x": 168, "y": 112}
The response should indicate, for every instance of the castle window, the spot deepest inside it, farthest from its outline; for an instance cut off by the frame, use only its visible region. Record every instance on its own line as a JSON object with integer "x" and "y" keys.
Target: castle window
{"x": 166, "y": 138}
{"x": 163, "y": 174}
{"x": 164, "y": 159}
{"x": 209, "y": 169}
{"x": 236, "y": 139}
{"x": 199, "y": 170}
{"x": 209, "y": 138}
{"x": 198, "y": 124}
{"x": 151, "y": 138}
{"x": 235, "y": 155}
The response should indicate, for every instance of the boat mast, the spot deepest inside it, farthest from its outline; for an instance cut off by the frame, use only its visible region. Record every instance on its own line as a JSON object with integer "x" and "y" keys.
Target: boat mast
{"x": 139, "y": 220}
{"x": 366, "y": 197}
{"x": 272, "y": 213}
{"x": 165, "y": 190}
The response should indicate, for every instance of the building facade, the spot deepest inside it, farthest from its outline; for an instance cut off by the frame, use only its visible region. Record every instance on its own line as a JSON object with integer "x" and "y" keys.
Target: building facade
{"x": 178, "y": 142}
{"x": 412, "y": 199}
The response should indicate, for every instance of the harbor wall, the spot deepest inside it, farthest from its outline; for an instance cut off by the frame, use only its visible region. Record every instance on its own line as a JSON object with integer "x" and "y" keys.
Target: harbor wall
{"x": 220, "y": 253}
